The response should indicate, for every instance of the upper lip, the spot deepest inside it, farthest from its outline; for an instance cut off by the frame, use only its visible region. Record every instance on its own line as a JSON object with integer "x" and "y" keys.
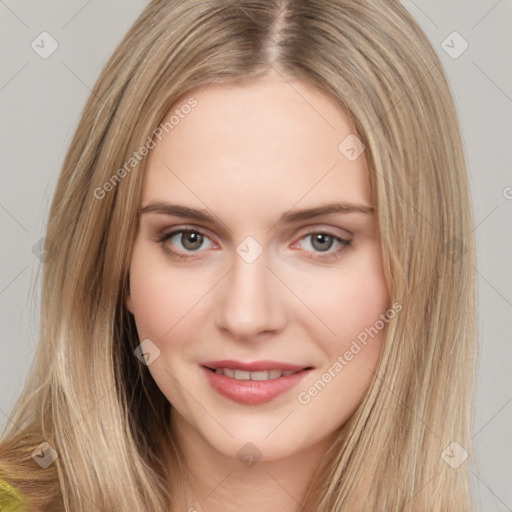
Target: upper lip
{"x": 254, "y": 366}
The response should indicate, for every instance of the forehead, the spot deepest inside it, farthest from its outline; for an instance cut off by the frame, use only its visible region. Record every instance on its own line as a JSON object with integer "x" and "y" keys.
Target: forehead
{"x": 265, "y": 144}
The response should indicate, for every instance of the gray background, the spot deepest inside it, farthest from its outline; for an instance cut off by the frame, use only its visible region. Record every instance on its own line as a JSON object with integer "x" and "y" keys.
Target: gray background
{"x": 41, "y": 99}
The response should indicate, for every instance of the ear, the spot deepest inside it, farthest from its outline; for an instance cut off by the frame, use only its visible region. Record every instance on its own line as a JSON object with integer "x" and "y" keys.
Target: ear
{"x": 128, "y": 298}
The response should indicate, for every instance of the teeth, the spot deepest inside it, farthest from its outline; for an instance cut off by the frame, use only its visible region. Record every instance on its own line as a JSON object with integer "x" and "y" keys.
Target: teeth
{"x": 259, "y": 375}
{"x": 242, "y": 375}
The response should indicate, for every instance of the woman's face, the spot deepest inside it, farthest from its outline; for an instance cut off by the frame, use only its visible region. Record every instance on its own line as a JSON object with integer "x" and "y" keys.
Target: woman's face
{"x": 264, "y": 280}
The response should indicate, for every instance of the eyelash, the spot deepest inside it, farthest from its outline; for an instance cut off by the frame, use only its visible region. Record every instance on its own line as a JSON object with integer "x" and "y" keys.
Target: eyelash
{"x": 317, "y": 255}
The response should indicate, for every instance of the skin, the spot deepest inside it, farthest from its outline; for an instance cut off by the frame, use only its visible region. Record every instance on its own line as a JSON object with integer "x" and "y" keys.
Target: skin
{"x": 247, "y": 154}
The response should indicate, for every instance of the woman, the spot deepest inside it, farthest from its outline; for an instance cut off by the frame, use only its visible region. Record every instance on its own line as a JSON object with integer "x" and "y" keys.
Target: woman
{"x": 261, "y": 284}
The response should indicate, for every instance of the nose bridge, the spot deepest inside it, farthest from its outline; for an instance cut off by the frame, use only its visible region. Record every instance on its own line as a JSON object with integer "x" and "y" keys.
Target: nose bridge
{"x": 250, "y": 297}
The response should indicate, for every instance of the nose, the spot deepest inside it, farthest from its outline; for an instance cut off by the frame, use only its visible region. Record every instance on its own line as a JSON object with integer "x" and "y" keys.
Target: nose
{"x": 250, "y": 300}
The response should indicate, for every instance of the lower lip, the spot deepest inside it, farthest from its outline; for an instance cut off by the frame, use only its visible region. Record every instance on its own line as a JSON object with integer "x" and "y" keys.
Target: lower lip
{"x": 253, "y": 392}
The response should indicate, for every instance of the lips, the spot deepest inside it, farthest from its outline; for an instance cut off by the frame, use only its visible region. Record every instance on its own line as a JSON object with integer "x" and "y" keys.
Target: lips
{"x": 253, "y": 383}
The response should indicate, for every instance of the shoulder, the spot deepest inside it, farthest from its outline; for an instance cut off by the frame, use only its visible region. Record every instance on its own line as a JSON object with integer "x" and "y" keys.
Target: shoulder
{"x": 11, "y": 500}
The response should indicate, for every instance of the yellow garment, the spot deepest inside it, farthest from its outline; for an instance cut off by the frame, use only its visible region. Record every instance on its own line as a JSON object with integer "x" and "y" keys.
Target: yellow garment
{"x": 11, "y": 500}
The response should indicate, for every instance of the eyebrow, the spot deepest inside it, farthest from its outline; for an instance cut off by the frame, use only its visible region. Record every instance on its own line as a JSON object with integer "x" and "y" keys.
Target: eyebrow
{"x": 287, "y": 217}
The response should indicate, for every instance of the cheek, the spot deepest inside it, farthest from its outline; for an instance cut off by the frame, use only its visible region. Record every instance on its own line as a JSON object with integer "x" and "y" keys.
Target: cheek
{"x": 351, "y": 307}
{"x": 343, "y": 301}
{"x": 350, "y": 300}
{"x": 161, "y": 297}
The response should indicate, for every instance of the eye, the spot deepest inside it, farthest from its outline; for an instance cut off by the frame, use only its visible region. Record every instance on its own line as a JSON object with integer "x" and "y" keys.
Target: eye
{"x": 190, "y": 240}
{"x": 186, "y": 240}
{"x": 321, "y": 242}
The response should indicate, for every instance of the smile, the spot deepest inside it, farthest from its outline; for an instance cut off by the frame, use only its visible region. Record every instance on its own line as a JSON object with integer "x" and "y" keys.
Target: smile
{"x": 255, "y": 386}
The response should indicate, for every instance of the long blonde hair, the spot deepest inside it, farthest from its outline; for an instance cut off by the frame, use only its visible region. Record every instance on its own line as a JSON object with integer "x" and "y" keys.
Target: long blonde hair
{"x": 92, "y": 400}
